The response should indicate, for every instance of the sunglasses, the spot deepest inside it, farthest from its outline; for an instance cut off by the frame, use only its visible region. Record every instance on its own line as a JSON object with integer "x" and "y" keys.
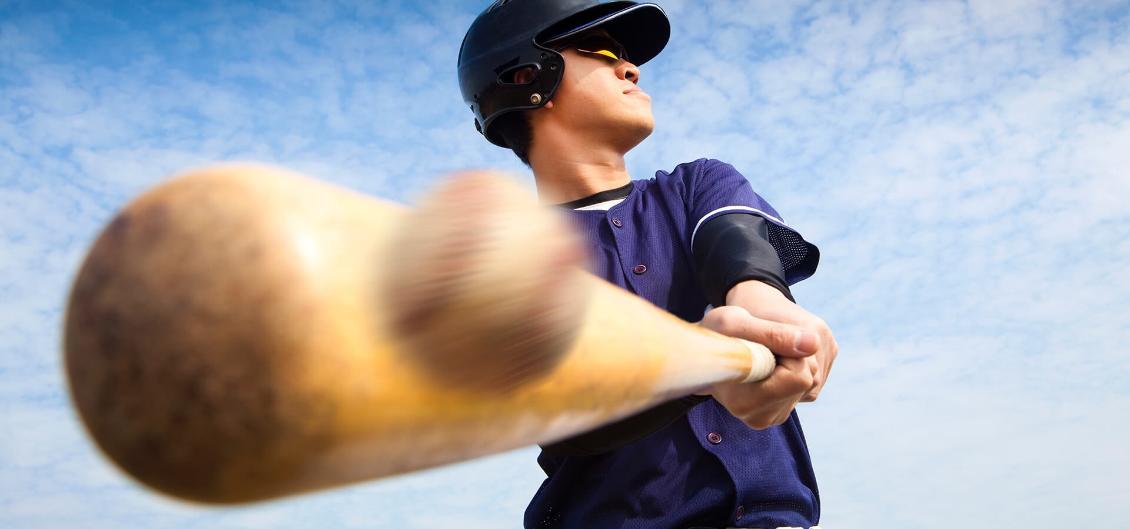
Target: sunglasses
{"x": 601, "y": 46}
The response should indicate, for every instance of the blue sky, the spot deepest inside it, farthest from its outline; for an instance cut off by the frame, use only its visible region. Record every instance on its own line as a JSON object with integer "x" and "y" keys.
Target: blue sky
{"x": 962, "y": 165}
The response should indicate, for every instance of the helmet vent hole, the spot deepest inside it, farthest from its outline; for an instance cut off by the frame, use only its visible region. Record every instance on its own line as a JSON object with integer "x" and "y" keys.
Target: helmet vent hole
{"x": 520, "y": 75}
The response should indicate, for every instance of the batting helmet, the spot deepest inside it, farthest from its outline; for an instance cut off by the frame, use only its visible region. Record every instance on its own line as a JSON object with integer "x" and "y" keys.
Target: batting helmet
{"x": 515, "y": 34}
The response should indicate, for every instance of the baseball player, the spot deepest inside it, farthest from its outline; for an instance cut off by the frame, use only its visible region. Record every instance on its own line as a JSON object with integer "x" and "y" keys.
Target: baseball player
{"x": 556, "y": 81}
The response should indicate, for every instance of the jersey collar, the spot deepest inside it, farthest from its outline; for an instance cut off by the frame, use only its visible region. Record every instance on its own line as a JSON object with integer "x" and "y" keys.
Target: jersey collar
{"x": 603, "y": 196}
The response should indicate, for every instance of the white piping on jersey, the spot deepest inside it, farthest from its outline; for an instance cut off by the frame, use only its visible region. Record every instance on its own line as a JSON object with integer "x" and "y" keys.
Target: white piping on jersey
{"x": 601, "y": 206}
{"x": 734, "y": 208}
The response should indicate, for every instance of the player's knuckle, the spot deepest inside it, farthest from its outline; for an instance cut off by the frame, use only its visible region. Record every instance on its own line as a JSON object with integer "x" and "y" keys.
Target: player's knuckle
{"x": 816, "y": 325}
{"x": 732, "y": 321}
{"x": 821, "y": 327}
{"x": 726, "y": 320}
{"x": 803, "y": 380}
{"x": 781, "y": 335}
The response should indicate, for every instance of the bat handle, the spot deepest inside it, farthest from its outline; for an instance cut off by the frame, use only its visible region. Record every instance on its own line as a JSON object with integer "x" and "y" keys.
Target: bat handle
{"x": 762, "y": 361}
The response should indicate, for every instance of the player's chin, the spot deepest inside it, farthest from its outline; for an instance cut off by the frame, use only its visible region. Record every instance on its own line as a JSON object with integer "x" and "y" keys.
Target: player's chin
{"x": 644, "y": 126}
{"x": 640, "y": 121}
{"x": 631, "y": 134}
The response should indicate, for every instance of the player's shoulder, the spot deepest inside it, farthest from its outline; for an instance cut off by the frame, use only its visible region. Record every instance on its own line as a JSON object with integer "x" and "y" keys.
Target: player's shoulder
{"x": 696, "y": 168}
{"x": 687, "y": 177}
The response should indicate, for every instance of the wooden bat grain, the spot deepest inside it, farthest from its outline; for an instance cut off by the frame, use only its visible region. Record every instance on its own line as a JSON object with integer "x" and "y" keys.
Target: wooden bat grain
{"x": 233, "y": 336}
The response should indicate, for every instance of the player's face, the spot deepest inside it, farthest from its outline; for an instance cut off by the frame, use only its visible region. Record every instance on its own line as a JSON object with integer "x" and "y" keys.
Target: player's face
{"x": 599, "y": 92}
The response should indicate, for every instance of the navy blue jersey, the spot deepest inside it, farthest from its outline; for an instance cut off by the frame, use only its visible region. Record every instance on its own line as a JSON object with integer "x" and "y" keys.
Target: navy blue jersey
{"x": 706, "y": 467}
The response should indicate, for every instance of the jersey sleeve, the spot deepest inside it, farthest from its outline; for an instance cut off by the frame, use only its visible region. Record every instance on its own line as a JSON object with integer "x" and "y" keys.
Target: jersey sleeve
{"x": 716, "y": 188}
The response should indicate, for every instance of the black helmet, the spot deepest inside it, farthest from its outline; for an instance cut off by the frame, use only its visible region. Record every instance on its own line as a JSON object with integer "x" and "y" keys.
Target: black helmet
{"x": 515, "y": 34}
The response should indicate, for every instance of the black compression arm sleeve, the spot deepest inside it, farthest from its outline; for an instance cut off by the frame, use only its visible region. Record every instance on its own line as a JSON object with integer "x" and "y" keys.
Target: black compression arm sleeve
{"x": 732, "y": 248}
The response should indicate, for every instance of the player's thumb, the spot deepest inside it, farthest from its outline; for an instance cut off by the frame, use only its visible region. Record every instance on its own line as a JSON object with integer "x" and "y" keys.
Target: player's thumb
{"x": 781, "y": 338}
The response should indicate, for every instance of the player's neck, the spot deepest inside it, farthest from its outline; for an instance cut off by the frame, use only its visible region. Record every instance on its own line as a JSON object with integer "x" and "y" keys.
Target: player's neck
{"x": 563, "y": 175}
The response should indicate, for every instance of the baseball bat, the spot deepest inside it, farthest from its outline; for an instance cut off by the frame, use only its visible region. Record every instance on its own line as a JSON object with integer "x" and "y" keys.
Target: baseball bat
{"x": 241, "y": 333}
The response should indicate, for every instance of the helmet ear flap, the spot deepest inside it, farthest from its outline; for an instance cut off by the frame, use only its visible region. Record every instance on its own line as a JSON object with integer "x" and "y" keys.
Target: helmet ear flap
{"x": 526, "y": 83}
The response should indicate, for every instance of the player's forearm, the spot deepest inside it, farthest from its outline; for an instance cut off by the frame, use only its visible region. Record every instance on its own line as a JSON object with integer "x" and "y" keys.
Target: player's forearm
{"x": 756, "y": 297}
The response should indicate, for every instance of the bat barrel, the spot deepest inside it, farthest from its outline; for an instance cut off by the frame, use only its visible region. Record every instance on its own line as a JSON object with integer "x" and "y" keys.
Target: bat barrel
{"x": 235, "y": 335}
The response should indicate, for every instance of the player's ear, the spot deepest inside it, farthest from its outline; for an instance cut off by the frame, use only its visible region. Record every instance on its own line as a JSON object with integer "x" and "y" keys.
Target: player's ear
{"x": 524, "y": 75}
{"x": 548, "y": 104}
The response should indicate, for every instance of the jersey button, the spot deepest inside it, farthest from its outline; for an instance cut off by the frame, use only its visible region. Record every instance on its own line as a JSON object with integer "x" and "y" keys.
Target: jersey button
{"x": 714, "y": 438}
{"x": 616, "y": 222}
{"x": 639, "y": 269}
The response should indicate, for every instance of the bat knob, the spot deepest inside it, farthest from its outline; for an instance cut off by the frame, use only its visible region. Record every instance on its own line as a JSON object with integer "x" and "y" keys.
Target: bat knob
{"x": 762, "y": 362}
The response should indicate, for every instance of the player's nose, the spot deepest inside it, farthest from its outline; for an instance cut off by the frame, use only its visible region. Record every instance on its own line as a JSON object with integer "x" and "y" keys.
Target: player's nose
{"x": 629, "y": 71}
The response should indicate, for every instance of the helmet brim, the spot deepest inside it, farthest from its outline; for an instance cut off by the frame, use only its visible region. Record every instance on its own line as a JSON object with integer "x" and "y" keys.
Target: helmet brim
{"x": 643, "y": 29}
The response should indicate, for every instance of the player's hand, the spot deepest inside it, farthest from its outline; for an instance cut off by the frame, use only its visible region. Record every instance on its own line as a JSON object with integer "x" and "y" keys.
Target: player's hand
{"x": 767, "y": 303}
{"x": 768, "y": 402}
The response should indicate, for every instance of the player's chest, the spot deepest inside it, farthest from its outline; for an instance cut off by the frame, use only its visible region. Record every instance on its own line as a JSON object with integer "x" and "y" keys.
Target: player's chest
{"x": 644, "y": 254}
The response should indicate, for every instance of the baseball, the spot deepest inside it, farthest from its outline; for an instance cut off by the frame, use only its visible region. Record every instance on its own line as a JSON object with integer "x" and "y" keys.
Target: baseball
{"x": 483, "y": 283}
